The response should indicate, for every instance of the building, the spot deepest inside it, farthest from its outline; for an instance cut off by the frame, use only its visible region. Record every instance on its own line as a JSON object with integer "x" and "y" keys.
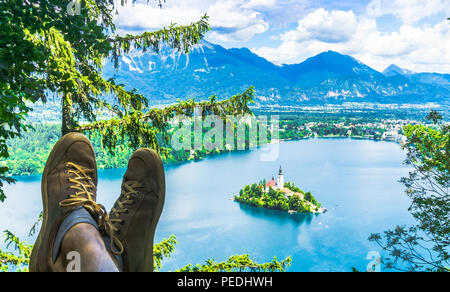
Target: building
{"x": 280, "y": 183}
{"x": 276, "y": 185}
{"x": 271, "y": 184}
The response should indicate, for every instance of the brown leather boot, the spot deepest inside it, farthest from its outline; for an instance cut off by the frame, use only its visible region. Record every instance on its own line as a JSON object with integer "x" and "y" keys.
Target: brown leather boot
{"x": 69, "y": 182}
{"x": 132, "y": 221}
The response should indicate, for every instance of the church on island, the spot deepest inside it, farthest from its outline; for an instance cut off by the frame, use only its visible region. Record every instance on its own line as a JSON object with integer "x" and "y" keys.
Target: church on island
{"x": 287, "y": 196}
{"x": 279, "y": 195}
{"x": 276, "y": 185}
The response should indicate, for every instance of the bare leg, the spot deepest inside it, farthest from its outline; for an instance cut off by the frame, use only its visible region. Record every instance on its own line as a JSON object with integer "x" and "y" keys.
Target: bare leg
{"x": 85, "y": 240}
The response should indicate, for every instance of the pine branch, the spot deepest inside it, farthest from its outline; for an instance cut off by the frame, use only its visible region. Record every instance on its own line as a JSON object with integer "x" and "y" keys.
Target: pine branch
{"x": 140, "y": 128}
{"x": 180, "y": 38}
{"x": 239, "y": 263}
{"x": 237, "y": 105}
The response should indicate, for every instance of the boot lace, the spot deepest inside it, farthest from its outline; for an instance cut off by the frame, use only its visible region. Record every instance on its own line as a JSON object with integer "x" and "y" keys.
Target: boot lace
{"x": 81, "y": 179}
{"x": 113, "y": 219}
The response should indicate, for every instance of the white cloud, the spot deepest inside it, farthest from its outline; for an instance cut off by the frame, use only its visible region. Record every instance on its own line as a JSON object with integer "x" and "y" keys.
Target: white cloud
{"x": 418, "y": 49}
{"x": 259, "y": 3}
{"x": 231, "y": 20}
{"x": 325, "y": 26}
{"x": 409, "y": 11}
{"x": 143, "y": 16}
{"x": 422, "y": 49}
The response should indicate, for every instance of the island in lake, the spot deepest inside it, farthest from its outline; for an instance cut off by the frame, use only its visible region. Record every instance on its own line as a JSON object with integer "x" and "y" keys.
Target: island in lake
{"x": 279, "y": 195}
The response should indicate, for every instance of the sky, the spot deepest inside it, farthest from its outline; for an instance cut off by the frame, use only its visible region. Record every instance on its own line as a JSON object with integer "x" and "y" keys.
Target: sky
{"x": 413, "y": 34}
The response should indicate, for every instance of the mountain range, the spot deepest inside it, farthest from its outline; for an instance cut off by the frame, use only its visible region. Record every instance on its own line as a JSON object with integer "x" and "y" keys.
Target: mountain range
{"x": 328, "y": 77}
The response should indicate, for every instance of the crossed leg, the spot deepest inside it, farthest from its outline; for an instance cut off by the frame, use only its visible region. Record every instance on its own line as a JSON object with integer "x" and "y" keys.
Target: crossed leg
{"x": 86, "y": 241}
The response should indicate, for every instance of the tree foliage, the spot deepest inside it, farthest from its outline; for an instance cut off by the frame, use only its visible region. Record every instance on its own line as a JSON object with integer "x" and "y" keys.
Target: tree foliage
{"x": 12, "y": 114}
{"x": 239, "y": 263}
{"x": 255, "y": 195}
{"x": 163, "y": 250}
{"x": 15, "y": 261}
{"x": 424, "y": 246}
{"x": 19, "y": 260}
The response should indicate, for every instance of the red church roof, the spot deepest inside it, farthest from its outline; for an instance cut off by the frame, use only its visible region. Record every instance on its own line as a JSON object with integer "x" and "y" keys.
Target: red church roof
{"x": 271, "y": 183}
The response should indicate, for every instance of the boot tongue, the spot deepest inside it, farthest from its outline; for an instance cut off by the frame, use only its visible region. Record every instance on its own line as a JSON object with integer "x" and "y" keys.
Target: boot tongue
{"x": 118, "y": 260}
{"x": 80, "y": 152}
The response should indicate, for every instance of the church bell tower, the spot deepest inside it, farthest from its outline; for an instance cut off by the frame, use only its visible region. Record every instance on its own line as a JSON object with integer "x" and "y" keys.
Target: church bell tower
{"x": 280, "y": 183}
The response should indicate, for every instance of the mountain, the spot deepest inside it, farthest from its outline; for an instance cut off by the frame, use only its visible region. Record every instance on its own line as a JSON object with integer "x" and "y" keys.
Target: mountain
{"x": 324, "y": 66}
{"x": 209, "y": 69}
{"x": 394, "y": 70}
{"x": 441, "y": 80}
{"x": 327, "y": 77}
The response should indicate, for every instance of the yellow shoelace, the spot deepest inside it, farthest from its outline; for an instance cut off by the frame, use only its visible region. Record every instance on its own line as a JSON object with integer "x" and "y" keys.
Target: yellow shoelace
{"x": 113, "y": 218}
{"x": 81, "y": 180}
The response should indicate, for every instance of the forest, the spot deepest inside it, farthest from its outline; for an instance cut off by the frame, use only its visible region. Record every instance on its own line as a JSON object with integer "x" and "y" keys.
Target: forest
{"x": 28, "y": 153}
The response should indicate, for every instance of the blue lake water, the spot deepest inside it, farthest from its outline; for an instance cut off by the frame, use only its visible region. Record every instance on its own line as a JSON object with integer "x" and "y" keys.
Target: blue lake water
{"x": 357, "y": 180}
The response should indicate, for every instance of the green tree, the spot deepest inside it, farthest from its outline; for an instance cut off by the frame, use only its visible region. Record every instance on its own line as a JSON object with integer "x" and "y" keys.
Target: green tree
{"x": 295, "y": 203}
{"x": 43, "y": 48}
{"x": 239, "y": 263}
{"x": 424, "y": 246}
{"x": 308, "y": 196}
{"x": 12, "y": 115}
{"x": 284, "y": 206}
{"x": 19, "y": 262}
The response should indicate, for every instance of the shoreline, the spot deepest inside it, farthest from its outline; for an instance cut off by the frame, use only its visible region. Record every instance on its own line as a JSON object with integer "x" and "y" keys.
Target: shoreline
{"x": 290, "y": 212}
{"x": 173, "y": 164}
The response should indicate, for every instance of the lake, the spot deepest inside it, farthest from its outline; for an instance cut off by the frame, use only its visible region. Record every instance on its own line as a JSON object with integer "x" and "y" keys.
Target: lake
{"x": 356, "y": 180}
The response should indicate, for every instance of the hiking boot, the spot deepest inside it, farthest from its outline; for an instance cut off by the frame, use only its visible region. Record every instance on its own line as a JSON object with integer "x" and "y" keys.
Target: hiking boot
{"x": 132, "y": 221}
{"x": 69, "y": 183}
